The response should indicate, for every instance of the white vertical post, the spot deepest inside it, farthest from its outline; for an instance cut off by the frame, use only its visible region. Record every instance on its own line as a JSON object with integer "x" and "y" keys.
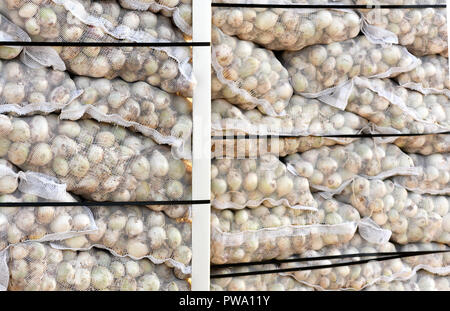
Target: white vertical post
{"x": 201, "y": 167}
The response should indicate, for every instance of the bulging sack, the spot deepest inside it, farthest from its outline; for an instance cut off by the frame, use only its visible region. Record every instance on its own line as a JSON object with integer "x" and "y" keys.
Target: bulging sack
{"x": 332, "y": 168}
{"x": 430, "y": 77}
{"x": 424, "y": 144}
{"x": 421, "y": 281}
{"x": 433, "y": 177}
{"x": 165, "y": 117}
{"x": 97, "y": 161}
{"x": 304, "y": 117}
{"x": 258, "y": 282}
{"x": 422, "y": 30}
{"x": 392, "y": 109}
{"x": 43, "y": 223}
{"x": 239, "y": 183}
{"x": 286, "y": 28}
{"x": 248, "y": 76}
{"x": 104, "y": 21}
{"x": 25, "y": 90}
{"x": 179, "y": 10}
{"x": 316, "y": 70}
{"x": 38, "y": 266}
{"x": 138, "y": 233}
{"x": 411, "y": 217}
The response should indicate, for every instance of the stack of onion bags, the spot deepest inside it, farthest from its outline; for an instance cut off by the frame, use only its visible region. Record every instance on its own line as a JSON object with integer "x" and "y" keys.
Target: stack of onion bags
{"x": 248, "y": 76}
{"x": 43, "y": 223}
{"x": 36, "y": 266}
{"x": 286, "y": 29}
{"x": 423, "y": 31}
{"x": 138, "y": 233}
{"x": 105, "y": 21}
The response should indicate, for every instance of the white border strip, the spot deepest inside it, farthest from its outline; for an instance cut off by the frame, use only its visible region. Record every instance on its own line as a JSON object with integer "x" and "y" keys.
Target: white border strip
{"x": 201, "y": 167}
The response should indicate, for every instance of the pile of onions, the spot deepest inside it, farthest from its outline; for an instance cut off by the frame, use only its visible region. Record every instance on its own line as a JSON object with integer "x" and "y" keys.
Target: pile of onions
{"x": 430, "y": 77}
{"x": 423, "y": 30}
{"x": 179, "y": 10}
{"x": 411, "y": 217}
{"x": 165, "y": 117}
{"x": 433, "y": 177}
{"x": 286, "y": 29}
{"x": 425, "y": 145}
{"x": 331, "y": 168}
{"x": 37, "y": 266}
{"x": 239, "y": 183}
{"x": 138, "y": 233}
{"x": 258, "y": 282}
{"x": 97, "y": 161}
{"x": 248, "y": 76}
{"x": 105, "y": 21}
{"x": 357, "y": 277}
{"x": 319, "y": 68}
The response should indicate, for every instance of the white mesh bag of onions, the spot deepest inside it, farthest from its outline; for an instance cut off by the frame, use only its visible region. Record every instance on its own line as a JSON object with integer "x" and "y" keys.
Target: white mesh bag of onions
{"x": 430, "y": 77}
{"x": 263, "y": 233}
{"x": 167, "y": 118}
{"x": 421, "y": 281}
{"x": 304, "y": 117}
{"x": 411, "y": 217}
{"x": 138, "y": 233}
{"x": 358, "y": 277}
{"x": 248, "y": 76}
{"x": 97, "y": 161}
{"x": 239, "y": 183}
{"x": 43, "y": 223}
{"x": 333, "y": 168}
{"x": 286, "y": 28}
{"x": 424, "y": 144}
{"x": 316, "y": 70}
{"x": 259, "y": 282}
{"x": 26, "y": 90}
{"x": 227, "y": 148}
{"x": 105, "y": 21}
{"x": 422, "y": 30}
{"x": 392, "y": 109}
{"x": 38, "y": 266}
{"x": 179, "y": 10}
{"x": 433, "y": 177}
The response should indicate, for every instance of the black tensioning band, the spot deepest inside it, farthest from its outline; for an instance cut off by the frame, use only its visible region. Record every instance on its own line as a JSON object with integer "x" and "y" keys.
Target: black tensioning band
{"x": 326, "y": 136}
{"x": 91, "y": 203}
{"x": 342, "y": 264}
{"x": 106, "y": 44}
{"x": 306, "y": 259}
{"x": 328, "y": 6}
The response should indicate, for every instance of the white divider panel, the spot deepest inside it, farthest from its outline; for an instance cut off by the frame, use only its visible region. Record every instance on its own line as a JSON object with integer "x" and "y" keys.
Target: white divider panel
{"x": 201, "y": 167}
